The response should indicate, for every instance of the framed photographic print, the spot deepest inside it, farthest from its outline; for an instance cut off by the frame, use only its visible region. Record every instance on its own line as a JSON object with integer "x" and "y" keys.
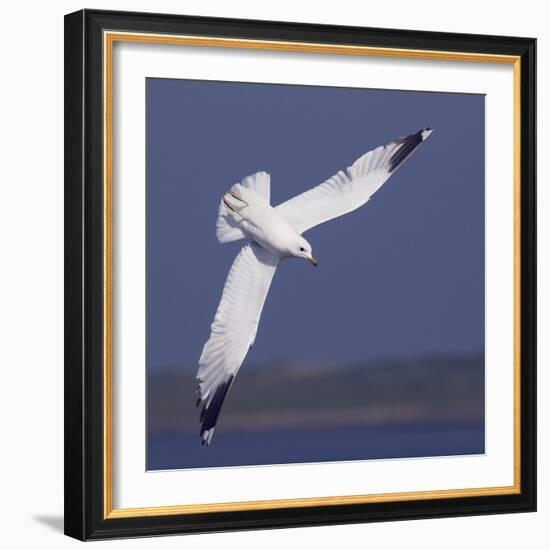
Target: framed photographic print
{"x": 300, "y": 274}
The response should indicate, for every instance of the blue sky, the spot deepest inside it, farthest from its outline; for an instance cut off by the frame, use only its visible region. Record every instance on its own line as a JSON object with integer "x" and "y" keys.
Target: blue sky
{"x": 402, "y": 276}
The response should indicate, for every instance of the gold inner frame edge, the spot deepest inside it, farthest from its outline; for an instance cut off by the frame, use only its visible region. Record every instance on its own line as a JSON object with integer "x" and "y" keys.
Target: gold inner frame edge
{"x": 109, "y": 39}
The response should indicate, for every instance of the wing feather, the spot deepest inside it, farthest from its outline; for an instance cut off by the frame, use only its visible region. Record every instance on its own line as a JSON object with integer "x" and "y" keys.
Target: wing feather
{"x": 347, "y": 191}
{"x": 233, "y": 330}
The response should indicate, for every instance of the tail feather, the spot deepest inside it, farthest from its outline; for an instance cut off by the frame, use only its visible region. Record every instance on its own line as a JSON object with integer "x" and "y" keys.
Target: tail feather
{"x": 228, "y": 223}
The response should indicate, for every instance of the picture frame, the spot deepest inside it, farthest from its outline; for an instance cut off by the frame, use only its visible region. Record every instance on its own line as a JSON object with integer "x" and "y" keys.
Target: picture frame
{"x": 90, "y": 163}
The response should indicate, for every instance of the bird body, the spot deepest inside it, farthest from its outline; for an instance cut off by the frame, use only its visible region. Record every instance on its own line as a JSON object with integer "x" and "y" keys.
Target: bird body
{"x": 272, "y": 234}
{"x": 262, "y": 223}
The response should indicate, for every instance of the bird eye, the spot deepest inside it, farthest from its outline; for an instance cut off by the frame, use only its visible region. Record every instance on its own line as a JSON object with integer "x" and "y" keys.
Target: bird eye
{"x": 302, "y": 249}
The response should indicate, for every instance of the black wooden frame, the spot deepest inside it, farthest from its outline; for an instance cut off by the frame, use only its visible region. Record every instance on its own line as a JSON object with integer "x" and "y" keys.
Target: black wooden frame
{"x": 84, "y": 518}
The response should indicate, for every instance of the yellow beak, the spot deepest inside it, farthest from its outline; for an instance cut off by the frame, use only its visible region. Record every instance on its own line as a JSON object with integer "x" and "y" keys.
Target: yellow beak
{"x": 312, "y": 261}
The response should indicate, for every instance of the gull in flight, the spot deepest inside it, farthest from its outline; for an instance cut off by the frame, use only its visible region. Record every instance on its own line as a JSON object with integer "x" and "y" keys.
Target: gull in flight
{"x": 272, "y": 234}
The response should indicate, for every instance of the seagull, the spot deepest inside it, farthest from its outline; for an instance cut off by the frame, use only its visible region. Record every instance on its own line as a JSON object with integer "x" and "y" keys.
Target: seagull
{"x": 273, "y": 234}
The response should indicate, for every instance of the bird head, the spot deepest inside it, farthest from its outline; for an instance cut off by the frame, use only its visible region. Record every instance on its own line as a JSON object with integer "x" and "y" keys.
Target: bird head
{"x": 302, "y": 249}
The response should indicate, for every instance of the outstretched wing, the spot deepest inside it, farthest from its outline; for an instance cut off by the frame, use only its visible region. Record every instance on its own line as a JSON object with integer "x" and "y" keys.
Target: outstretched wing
{"x": 349, "y": 190}
{"x": 233, "y": 330}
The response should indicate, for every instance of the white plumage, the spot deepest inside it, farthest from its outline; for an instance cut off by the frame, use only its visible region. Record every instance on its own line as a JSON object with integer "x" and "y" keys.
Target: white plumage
{"x": 274, "y": 234}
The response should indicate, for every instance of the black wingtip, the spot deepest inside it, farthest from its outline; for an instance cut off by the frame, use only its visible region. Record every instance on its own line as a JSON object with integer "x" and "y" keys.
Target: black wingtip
{"x": 406, "y": 146}
{"x": 210, "y": 412}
